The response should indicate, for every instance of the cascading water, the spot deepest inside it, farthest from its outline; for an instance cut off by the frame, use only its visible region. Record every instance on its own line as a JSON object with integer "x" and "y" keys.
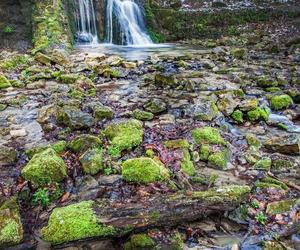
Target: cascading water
{"x": 129, "y": 20}
{"x": 86, "y": 22}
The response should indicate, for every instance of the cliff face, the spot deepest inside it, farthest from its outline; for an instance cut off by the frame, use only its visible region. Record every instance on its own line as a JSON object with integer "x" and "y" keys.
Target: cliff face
{"x": 15, "y": 24}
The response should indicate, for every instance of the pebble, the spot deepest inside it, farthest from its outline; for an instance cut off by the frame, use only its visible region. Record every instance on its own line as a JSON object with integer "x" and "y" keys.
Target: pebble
{"x": 18, "y": 133}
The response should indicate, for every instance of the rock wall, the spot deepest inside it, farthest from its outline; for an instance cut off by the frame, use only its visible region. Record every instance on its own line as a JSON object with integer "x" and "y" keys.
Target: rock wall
{"x": 15, "y": 24}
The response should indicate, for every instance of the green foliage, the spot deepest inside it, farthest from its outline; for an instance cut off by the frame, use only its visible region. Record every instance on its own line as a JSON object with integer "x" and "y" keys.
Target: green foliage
{"x": 261, "y": 218}
{"x": 74, "y": 222}
{"x": 8, "y": 29}
{"x": 232, "y": 30}
{"x": 41, "y": 197}
{"x": 156, "y": 37}
{"x": 254, "y": 204}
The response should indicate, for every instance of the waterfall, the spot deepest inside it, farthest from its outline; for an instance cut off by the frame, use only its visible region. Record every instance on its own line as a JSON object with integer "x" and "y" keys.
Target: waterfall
{"x": 130, "y": 22}
{"x": 86, "y": 22}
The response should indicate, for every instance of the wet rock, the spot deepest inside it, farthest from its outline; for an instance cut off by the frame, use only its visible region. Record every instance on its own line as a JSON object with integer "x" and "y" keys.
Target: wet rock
{"x": 11, "y": 229}
{"x": 8, "y": 155}
{"x": 227, "y": 104}
{"x": 84, "y": 142}
{"x": 249, "y": 104}
{"x": 155, "y": 106}
{"x": 4, "y": 82}
{"x": 92, "y": 161}
{"x": 61, "y": 57}
{"x": 142, "y": 115}
{"x": 167, "y": 119}
{"x": 74, "y": 118}
{"x": 46, "y": 112}
{"x": 45, "y": 168}
{"x": 203, "y": 111}
{"x": 144, "y": 170}
{"x": 109, "y": 180}
{"x": 42, "y": 58}
{"x": 163, "y": 80}
{"x": 284, "y": 144}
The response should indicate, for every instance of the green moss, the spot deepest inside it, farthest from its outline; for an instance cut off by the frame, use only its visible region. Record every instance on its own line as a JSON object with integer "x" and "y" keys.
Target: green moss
{"x": 265, "y": 82}
{"x": 68, "y": 78}
{"x": 272, "y": 245}
{"x": 15, "y": 62}
{"x": 270, "y": 182}
{"x": 125, "y": 135}
{"x": 103, "y": 112}
{"x": 281, "y": 164}
{"x": 264, "y": 164}
{"x": 92, "y": 161}
{"x": 74, "y": 222}
{"x": 142, "y": 115}
{"x": 237, "y": 115}
{"x": 84, "y": 142}
{"x": 4, "y": 82}
{"x": 231, "y": 193}
{"x": 207, "y": 135}
{"x": 58, "y": 147}
{"x": 44, "y": 168}
{"x": 282, "y": 126}
{"x": 238, "y": 53}
{"x": 187, "y": 165}
{"x": 253, "y": 141}
{"x": 279, "y": 207}
{"x": 139, "y": 241}
{"x": 144, "y": 170}
{"x": 204, "y": 152}
{"x": 219, "y": 159}
{"x": 11, "y": 231}
{"x": 176, "y": 144}
{"x": 281, "y": 102}
{"x": 258, "y": 114}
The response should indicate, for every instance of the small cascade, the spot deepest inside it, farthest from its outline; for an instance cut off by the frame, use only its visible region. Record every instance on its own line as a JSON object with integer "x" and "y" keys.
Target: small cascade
{"x": 86, "y": 22}
{"x": 125, "y": 23}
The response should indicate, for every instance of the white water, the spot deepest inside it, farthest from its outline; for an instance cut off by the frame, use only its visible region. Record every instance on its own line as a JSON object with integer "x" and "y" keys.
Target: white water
{"x": 130, "y": 20}
{"x": 86, "y": 22}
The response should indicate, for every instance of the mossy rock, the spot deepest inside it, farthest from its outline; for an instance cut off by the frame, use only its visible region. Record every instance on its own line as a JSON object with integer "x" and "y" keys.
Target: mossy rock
{"x": 139, "y": 242}
{"x": 142, "y": 115}
{"x": 92, "y": 161}
{"x": 219, "y": 159}
{"x": 74, "y": 222}
{"x": 279, "y": 207}
{"x": 11, "y": 229}
{"x": 124, "y": 135}
{"x": 258, "y": 114}
{"x": 8, "y": 155}
{"x": 281, "y": 165}
{"x": 84, "y": 142}
{"x": 144, "y": 170}
{"x": 269, "y": 182}
{"x": 263, "y": 164}
{"x": 44, "y": 168}
{"x": 187, "y": 165}
{"x": 265, "y": 82}
{"x": 204, "y": 152}
{"x": 207, "y": 135}
{"x": 58, "y": 147}
{"x": 4, "y": 82}
{"x": 176, "y": 144}
{"x": 102, "y": 112}
{"x": 279, "y": 102}
{"x": 272, "y": 245}
{"x": 237, "y": 115}
{"x": 248, "y": 104}
{"x": 253, "y": 141}
{"x": 239, "y": 53}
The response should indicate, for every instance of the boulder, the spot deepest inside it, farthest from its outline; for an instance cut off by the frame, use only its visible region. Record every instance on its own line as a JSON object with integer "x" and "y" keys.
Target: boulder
{"x": 289, "y": 145}
{"x": 74, "y": 118}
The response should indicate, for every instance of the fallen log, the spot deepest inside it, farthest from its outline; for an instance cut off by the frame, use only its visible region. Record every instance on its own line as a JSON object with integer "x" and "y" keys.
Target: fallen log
{"x": 102, "y": 218}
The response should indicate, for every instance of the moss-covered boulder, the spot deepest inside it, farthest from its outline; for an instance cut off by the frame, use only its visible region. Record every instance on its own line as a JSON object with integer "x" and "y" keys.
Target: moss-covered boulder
{"x": 11, "y": 229}
{"x": 142, "y": 115}
{"x": 44, "y": 168}
{"x": 219, "y": 159}
{"x": 124, "y": 135}
{"x": 74, "y": 222}
{"x": 139, "y": 241}
{"x": 102, "y": 112}
{"x": 263, "y": 164}
{"x": 92, "y": 161}
{"x": 4, "y": 82}
{"x": 279, "y": 207}
{"x": 258, "y": 114}
{"x": 208, "y": 135}
{"x": 279, "y": 102}
{"x": 58, "y": 147}
{"x": 84, "y": 142}
{"x": 144, "y": 170}
{"x": 289, "y": 144}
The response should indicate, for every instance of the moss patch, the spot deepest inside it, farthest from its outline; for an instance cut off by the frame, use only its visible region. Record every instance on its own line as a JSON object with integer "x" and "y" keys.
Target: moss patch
{"x": 4, "y": 83}
{"x": 278, "y": 207}
{"x": 139, "y": 241}
{"x": 144, "y": 170}
{"x": 85, "y": 142}
{"x": 219, "y": 159}
{"x": 92, "y": 161}
{"x": 281, "y": 102}
{"x": 207, "y": 135}
{"x": 44, "y": 168}
{"x": 124, "y": 136}
{"x": 74, "y": 222}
